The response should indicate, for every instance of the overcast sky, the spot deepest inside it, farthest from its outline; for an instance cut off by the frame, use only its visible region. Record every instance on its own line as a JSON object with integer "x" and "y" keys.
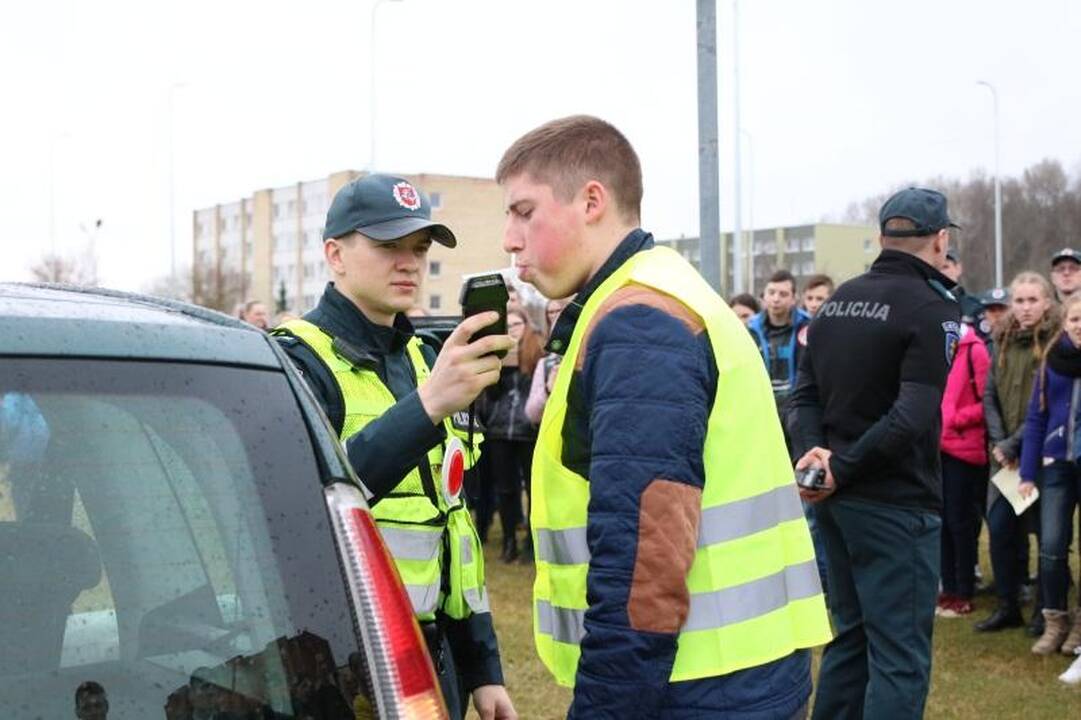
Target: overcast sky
{"x": 842, "y": 99}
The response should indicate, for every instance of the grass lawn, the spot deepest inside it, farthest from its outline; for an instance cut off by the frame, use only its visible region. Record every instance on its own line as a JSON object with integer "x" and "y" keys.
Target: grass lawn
{"x": 990, "y": 677}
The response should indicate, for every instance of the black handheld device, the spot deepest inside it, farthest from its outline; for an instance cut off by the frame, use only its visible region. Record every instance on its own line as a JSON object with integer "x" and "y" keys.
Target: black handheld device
{"x": 811, "y": 477}
{"x": 483, "y": 293}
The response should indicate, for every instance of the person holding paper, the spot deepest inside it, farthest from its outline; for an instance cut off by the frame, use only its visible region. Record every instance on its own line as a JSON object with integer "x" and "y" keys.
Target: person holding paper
{"x": 1020, "y": 341}
{"x": 1053, "y": 439}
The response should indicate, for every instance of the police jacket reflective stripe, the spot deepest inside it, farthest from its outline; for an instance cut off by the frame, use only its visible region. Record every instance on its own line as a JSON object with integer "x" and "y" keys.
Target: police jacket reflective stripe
{"x": 424, "y": 531}
{"x": 755, "y": 593}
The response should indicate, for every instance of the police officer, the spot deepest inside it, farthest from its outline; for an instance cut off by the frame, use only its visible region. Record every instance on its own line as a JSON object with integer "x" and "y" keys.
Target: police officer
{"x": 970, "y": 304}
{"x": 866, "y": 410}
{"x": 392, "y": 403}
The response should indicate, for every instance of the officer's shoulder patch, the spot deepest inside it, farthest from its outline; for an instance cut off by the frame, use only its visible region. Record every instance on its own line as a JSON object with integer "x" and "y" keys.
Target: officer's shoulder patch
{"x": 952, "y": 331}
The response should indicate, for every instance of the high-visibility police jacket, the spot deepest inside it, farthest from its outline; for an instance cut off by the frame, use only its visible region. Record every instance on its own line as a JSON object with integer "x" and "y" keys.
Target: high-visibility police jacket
{"x": 430, "y": 535}
{"x": 754, "y": 589}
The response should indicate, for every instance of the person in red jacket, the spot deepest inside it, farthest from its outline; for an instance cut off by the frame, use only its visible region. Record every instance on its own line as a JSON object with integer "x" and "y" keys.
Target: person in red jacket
{"x": 964, "y": 472}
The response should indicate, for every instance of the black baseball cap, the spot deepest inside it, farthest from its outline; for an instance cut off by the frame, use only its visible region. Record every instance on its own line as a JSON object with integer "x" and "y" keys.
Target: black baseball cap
{"x": 995, "y": 296}
{"x": 926, "y": 208}
{"x": 383, "y": 208}
{"x": 1066, "y": 254}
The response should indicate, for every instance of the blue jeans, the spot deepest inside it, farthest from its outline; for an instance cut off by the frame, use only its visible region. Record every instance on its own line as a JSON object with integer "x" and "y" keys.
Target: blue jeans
{"x": 820, "y": 548}
{"x": 883, "y": 564}
{"x": 1060, "y": 491}
{"x": 1009, "y": 550}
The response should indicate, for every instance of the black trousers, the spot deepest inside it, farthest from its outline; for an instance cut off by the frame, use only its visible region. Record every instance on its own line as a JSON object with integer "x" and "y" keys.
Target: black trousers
{"x": 510, "y": 464}
{"x": 961, "y": 484}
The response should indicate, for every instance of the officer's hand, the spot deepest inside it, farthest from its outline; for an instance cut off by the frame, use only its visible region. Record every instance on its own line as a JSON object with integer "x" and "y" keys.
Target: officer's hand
{"x": 820, "y": 457}
{"x": 1025, "y": 488}
{"x": 493, "y": 703}
{"x": 463, "y": 369}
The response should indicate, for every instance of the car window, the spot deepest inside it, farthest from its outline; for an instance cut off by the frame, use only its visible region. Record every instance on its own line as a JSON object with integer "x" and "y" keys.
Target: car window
{"x": 165, "y": 548}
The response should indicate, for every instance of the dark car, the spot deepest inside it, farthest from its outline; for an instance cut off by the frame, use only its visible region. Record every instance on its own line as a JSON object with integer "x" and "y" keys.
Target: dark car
{"x": 180, "y": 534}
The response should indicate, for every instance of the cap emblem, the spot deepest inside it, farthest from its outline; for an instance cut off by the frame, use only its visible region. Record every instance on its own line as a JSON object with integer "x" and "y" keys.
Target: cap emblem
{"x": 407, "y": 196}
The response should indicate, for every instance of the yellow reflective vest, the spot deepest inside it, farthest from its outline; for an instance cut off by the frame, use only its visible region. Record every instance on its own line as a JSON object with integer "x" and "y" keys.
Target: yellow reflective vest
{"x": 422, "y": 530}
{"x": 755, "y": 594}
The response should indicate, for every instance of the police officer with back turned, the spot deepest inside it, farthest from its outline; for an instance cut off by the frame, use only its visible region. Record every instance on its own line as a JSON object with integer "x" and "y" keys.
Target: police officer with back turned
{"x": 866, "y": 410}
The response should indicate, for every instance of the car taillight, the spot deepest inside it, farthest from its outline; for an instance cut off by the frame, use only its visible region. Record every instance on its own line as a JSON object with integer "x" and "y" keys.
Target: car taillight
{"x": 403, "y": 679}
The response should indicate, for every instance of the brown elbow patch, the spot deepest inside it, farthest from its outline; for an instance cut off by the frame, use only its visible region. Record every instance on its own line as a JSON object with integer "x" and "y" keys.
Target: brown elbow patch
{"x": 667, "y": 539}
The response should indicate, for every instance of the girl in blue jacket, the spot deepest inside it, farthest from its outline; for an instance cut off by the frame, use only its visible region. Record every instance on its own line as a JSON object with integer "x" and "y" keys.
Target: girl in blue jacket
{"x": 1052, "y": 440}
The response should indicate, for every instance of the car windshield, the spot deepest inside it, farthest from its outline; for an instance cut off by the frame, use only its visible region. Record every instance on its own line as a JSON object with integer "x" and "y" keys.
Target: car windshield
{"x": 165, "y": 549}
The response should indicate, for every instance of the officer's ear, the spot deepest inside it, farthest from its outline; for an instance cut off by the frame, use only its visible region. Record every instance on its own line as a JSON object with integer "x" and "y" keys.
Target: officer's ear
{"x": 941, "y": 243}
{"x": 332, "y": 251}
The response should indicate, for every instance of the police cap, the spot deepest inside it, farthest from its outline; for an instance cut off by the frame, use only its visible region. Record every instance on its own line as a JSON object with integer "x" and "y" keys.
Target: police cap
{"x": 925, "y": 208}
{"x": 995, "y": 296}
{"x": 1066, "y": 254}
{"x": 383, "y": 208}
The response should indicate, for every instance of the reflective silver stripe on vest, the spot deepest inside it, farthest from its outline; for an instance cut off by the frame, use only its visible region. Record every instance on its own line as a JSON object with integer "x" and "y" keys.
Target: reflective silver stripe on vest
{"x": 424, "y": 598}
{"x": 563, "y": 624}
{"x": 466, "y": 545}
{"x": 720, "y": 523}
{"x": 563, "y": 547}
{"x": 477, "y": 599}
{"x": 708, "y": 611}
{"x": 748, "y": 516}
{"x": 411, "y": 544}
{"x": 750, "y": 600}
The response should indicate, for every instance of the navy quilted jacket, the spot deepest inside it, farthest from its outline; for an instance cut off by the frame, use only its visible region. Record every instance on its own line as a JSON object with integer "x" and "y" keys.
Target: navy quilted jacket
{"x": 637, "y": 412}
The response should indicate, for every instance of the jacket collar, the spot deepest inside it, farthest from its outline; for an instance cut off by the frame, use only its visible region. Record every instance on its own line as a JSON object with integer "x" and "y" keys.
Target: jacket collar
{"x": 337, "y": 315}
{"x": 897, "y": 262}
{"x": 637, "y": 241}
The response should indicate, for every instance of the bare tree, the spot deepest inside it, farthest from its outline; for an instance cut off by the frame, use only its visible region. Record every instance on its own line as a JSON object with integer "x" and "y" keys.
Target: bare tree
{"x": 54, "y": 268}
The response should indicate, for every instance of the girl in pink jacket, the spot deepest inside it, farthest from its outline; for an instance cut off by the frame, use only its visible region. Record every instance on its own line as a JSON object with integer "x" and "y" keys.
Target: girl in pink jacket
{"x": 964, "y": 472}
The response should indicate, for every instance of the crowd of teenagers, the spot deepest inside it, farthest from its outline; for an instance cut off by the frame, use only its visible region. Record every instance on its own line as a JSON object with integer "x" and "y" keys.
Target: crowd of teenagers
{"x": 1012, "y": 403}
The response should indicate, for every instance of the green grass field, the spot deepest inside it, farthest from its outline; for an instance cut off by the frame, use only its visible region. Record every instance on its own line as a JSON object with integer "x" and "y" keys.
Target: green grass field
{"x": 990, "y": 677}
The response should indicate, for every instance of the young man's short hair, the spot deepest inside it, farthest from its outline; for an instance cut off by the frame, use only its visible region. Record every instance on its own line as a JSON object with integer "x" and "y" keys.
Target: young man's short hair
{"x": 818, "y": 281}
{"x": 569, "y": 152}
{"x": 782, "y": 275}
{"x": 88, "y": 688}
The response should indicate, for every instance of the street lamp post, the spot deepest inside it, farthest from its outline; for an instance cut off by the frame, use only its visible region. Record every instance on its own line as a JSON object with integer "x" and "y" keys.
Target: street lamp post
{"x": 737, "y": 224}
{"x": 372, "y": 92}
{"x": 172, "y": 184}
{"x": 750, "y": 211}
{"x": 998, "y": 188}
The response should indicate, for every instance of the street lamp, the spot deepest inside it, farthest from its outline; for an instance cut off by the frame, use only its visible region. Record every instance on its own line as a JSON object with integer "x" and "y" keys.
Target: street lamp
{"x": 371, "y": 110}
{"x": 998, "y": 189}
{"x": 172, "y": 183}
{"x": 737, "y": 225}
{"x": 750, "y": 210}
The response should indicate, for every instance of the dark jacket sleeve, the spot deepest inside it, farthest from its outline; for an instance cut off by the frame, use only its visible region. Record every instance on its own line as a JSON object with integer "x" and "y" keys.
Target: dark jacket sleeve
{"x": 405, "y": 427}
{"x": 1035, "y": 429}
{"x": 476, "y": 651}
{"x": 647, "y": 384}
{"x": 924, "y": 369}
{"x": 992, "y": 413}
{"x": 803, "y": 418}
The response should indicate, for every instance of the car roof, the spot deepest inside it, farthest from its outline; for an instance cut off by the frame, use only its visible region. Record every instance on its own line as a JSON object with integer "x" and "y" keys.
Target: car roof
{"x": 69, "y": 321}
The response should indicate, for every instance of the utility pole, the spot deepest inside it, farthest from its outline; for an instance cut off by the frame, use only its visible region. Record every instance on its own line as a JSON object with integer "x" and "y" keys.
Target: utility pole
{"x": 998, "y": 189}
{"x": 709, "y": 213}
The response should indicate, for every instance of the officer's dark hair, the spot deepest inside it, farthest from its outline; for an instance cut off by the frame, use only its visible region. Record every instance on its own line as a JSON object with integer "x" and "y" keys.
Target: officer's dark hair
{"x": 818, "y": 281}
{"x": 782, "y": 275}
{"x": 907, "y": 244}
{"x": 746, "y": 300}
{"x": 87, "y": 688}
{"x": 567, "y": 153}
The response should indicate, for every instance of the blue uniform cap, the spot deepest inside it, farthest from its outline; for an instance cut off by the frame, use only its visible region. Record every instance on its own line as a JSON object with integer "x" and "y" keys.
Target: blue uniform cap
{"x": 384, "y": 208}
{"x": 926, "y": 208}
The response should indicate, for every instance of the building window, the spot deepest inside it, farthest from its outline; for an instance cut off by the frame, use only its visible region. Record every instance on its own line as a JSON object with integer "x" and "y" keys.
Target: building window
{"x": 867, "y": 244}
{"x": 435, "y": 302}
{"x": 434, "y": 268}
{"x": 436, "y": 200}
{"x": 277, "y": 210}
{"x": 809, "y": 243}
